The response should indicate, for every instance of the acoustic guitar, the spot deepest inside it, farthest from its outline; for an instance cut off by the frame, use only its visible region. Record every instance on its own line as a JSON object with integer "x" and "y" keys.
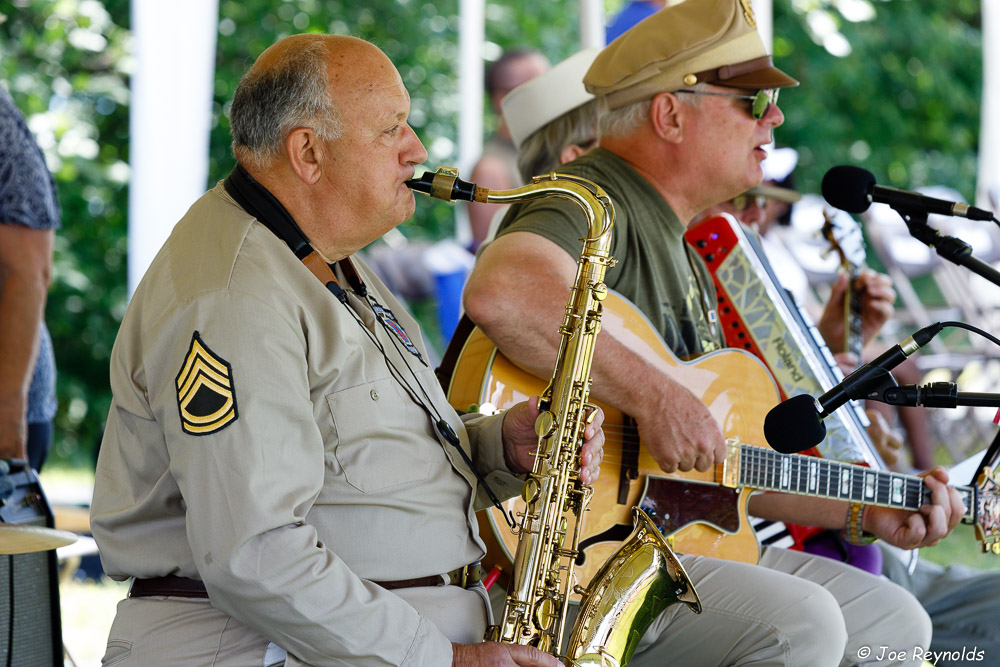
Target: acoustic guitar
{"x": 699, "y": 512}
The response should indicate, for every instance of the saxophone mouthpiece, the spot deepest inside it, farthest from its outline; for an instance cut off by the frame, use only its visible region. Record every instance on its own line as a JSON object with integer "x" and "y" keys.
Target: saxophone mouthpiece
{"x": 422, "y": 184}
{"x": 446, "y": 185}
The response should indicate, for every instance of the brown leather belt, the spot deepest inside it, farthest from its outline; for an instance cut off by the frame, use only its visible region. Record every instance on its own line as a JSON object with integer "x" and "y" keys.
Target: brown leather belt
{"x": 182, "y": 587}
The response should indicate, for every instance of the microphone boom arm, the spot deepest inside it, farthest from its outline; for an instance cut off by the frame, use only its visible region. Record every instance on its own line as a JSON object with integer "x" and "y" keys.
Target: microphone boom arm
{"x": 934, "y": 395}
{"x": 953, "y": 249}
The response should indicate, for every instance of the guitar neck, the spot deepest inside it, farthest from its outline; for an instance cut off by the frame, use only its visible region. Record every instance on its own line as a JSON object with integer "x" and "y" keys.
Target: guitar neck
{"x": 768, "y": 470}
{"x": 853, "y": 341}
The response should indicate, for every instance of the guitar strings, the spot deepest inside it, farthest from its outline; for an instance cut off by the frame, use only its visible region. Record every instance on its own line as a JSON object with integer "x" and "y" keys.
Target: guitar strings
{"x": 767, "y": 462}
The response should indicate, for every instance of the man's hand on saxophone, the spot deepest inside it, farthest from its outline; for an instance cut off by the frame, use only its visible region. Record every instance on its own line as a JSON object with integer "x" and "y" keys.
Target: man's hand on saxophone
{"x": 520, "y": 440}
{"x": 501, "y": 655}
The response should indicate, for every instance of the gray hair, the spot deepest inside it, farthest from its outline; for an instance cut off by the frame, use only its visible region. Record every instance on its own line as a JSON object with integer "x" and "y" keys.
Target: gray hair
{"x": 539, "y": 154}
{"x": 271, "y": 101}
{"x": 623, "y": 121}
{"x": 627, "y": 119}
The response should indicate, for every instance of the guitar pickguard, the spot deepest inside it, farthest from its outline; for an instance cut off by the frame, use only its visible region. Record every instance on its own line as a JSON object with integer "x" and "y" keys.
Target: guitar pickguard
{"x": 674, "y": 503}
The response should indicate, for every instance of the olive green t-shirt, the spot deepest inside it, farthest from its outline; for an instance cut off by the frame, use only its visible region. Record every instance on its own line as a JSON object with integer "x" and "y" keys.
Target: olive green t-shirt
{"x": 654, "y": 269}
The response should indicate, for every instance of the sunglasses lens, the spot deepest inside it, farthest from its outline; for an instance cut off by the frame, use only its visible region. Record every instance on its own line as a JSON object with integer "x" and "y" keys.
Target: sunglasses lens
{"x": 762, "y": 102}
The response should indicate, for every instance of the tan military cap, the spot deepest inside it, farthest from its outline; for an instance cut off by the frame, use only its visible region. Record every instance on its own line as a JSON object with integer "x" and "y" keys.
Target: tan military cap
{"x": 534, "y": 104}
{"x": 696, "y": 41}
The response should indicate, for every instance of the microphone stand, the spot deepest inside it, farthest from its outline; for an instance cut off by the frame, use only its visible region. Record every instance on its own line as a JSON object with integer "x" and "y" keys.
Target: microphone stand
{"x": 934, "y": 395}
{"x": 953, "y": 249}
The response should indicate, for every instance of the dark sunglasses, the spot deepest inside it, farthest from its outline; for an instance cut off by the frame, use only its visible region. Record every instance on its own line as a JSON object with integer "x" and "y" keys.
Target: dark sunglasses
{"x": 760, "y": 103}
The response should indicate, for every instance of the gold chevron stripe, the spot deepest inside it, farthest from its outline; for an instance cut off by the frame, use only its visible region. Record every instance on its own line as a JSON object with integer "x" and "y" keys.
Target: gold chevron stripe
{"x": 206, "y": 378}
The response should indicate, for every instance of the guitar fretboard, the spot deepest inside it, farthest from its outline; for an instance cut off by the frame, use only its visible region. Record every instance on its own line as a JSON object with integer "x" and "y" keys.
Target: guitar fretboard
{"x": 768, "y": 470}
{"x": 854, "y": 341}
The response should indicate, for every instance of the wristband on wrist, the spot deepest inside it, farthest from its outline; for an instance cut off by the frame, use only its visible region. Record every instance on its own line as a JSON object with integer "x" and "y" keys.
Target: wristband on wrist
{"x": 853, "y": 532}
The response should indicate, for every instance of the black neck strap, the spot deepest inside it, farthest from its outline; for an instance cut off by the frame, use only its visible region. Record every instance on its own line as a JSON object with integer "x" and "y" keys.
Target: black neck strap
{"x": 265, "y": 207}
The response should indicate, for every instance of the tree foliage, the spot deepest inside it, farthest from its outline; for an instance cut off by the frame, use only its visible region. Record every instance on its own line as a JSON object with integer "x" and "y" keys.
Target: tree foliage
{"x": 420, "y": 37}
{"x": 65, "y": 63}
{"x": 904, "y": 103}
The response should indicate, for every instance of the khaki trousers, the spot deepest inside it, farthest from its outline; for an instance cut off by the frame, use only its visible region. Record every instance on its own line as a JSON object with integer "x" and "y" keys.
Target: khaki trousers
{"x": 185, "y": 631}
{"x": 791, "y": 609}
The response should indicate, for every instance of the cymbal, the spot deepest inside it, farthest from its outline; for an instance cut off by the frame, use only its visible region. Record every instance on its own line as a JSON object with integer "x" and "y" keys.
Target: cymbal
{"x": 25, "y": 539}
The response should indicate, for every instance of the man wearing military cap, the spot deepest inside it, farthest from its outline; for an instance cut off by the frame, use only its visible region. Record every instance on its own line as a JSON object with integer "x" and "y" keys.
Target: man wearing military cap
{"x": 690, "y": 101}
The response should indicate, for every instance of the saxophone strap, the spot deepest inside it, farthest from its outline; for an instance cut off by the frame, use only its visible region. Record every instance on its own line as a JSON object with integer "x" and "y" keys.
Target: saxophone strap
{"x": 256, "y": 200}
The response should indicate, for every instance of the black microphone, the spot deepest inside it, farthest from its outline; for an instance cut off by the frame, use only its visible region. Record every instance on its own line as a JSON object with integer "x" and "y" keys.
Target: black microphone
{"x": 853, "y": 189}
{"x": 796, "y": 424}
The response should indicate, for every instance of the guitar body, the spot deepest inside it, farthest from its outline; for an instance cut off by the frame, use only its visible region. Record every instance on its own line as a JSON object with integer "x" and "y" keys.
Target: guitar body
{"x": 692, "y": 509}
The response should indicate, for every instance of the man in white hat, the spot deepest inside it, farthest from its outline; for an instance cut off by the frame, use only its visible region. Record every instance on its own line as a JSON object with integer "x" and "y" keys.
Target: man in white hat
{"x": 691, "y": 99}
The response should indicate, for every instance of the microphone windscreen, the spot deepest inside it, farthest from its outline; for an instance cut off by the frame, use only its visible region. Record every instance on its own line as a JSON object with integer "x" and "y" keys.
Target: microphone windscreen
{"x": 794, "y": 425}
{"x": 847, "y": 188}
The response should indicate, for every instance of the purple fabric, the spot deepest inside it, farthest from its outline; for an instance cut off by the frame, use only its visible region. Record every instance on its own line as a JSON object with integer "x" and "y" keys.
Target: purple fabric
{"x": 831, "y": 544}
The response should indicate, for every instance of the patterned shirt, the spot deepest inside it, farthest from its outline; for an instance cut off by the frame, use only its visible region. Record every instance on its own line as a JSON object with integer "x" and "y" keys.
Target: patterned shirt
{"x": 28, "y": 198}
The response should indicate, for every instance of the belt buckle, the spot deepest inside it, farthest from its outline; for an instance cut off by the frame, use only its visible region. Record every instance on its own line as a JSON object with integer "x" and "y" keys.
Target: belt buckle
{"x": 472, "y": 574}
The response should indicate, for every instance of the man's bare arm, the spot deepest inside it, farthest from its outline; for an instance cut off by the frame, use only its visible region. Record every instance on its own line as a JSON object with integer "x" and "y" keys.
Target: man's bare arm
{"x": 25, "y": 273}
{"x": 517, "y": 293}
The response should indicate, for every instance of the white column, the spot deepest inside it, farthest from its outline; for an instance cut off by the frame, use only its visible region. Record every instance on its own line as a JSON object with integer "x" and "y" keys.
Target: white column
{"x": 591, "y": 23}
{"x": 764, "y": 11}
{"x": 169, "y": 121}
{"x": 471, "y": 34}
{"x": 989, "y": 127}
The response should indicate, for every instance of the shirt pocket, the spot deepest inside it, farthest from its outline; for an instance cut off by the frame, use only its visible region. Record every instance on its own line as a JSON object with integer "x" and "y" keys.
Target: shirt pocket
{"x": 381, "y": 437}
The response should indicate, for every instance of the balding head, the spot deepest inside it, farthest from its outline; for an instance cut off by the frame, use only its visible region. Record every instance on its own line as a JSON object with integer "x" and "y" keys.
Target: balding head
{"x": 290, "y": 86}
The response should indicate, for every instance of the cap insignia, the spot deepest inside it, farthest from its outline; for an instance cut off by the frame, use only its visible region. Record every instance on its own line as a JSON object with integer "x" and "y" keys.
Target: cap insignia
{"x": 206, "y": 396}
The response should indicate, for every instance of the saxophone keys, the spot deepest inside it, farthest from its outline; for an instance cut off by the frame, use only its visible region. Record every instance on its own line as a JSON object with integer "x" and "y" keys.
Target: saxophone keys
{"x": 530, "y": 489}
{"x": 545, "y": 424}
{"x": 545, "y": 614}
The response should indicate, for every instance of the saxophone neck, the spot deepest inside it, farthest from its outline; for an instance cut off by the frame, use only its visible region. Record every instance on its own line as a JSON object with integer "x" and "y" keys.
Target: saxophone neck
{"x": 445, "y": 184}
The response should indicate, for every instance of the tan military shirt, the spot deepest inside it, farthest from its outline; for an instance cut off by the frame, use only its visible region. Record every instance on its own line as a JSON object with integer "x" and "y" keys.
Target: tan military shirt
{"x": 260, "y": 441}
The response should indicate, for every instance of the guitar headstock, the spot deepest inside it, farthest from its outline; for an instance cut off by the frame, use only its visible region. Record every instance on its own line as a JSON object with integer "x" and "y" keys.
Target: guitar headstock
{"x": 987, "y": 519}
{"x": 843, "y": 233}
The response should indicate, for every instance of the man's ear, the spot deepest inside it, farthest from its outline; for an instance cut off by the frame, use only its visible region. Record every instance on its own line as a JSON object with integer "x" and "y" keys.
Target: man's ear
{"x": 571, "y": 152}
{"x": 304, "y": 154}
{"x": 667, "y": 117}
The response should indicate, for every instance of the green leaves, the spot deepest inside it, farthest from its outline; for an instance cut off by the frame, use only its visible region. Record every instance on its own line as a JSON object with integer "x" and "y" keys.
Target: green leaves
{"x": 65, "y": 64}
{"x": 904, "y": 103}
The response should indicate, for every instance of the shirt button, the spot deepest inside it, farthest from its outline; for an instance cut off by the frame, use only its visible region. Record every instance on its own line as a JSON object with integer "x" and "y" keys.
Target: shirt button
{"x": 374, "y": 395}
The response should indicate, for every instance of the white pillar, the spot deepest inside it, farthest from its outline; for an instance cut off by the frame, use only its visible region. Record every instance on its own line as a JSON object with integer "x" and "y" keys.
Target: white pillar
{"x": 169, "y": 121}
{"x": 591, "y": 23}
{"x": 471, "y": 34}
{"x": 989, "y": 127}
{"x": 764, "y": 11}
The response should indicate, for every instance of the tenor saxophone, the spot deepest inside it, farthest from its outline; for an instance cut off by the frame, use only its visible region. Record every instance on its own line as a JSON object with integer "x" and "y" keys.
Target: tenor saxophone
{"x": 643, "y": 577}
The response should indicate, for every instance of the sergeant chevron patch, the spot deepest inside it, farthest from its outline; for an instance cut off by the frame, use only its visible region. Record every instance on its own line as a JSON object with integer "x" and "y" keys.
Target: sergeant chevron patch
{"x": 206, "y": 396}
